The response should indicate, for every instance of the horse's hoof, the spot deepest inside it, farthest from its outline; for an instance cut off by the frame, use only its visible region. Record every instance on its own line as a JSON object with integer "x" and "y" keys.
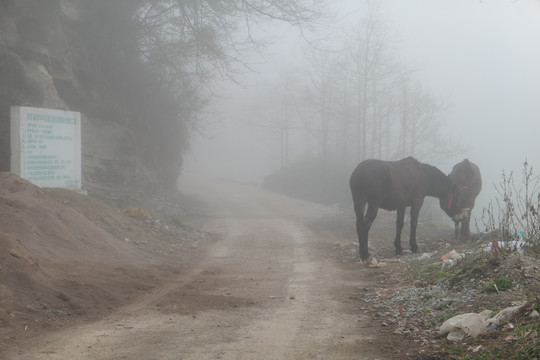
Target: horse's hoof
{"x": 399, "y": 251}
{"x": 414, "y": 249}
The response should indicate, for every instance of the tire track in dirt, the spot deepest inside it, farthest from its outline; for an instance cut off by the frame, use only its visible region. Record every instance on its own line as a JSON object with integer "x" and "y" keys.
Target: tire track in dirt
{"x": 267, "y": 290}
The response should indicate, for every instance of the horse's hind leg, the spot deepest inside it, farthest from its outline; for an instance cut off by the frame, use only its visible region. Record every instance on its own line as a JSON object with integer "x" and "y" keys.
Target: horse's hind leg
{"x": 371, "y": 214}
{"x": 415, "y": 211}
{"x": 399, "y": 227}
{"x": 359, "y": 207}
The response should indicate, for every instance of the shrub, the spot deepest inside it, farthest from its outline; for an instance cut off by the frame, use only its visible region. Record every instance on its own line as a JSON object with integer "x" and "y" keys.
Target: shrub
{"x": 516, "y": 214}
{"x": 499, "y": 284}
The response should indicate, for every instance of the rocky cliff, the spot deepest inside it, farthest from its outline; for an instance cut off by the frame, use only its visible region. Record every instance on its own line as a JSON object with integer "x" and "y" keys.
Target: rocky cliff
{"x": 82, "y": 56}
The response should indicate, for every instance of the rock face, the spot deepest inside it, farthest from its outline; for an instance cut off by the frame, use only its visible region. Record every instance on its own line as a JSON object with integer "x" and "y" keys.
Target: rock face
{"x": 60, "y": 54}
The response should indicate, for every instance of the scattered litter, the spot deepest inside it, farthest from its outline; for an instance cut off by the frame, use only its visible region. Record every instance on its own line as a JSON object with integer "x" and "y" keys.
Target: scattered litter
{"x": 426, "y": 255}
{"x": 463, "y": 325}
{"x": 451, "y": 258}
{"x": 452, "y": 255}
{"x": 477, "y": 349}
{"x": 374, "y": 263}
{"x": 508, "y": 338}
{"x": 492, "y": 326}
{"x": 495, "y": 247}
{"x": 518, "y": 243}
{"x": 514, "y": 245}
{"x": 448, "y": 263}
{"x": 472, "y": 324}
{"x": 505, "y": 315}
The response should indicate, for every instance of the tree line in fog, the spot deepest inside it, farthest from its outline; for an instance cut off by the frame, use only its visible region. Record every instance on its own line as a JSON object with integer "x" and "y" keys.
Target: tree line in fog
{"x": 356, "y": 100}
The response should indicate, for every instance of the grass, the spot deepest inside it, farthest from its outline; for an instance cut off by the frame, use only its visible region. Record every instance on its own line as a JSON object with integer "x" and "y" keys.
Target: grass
{"x": 479, "y": 271}
{"x": 179, "y": 224}
{"x": 444, "y": 305}
{"x": 432, "y": 273}
{"x": 473, "y": 263}
{"x": 501, "y": 283}
{"x": 514, "y": 352}
{"x": 525, "y": 329}
{"x": 519, "y": 343}
{"x": 455, "y": 349}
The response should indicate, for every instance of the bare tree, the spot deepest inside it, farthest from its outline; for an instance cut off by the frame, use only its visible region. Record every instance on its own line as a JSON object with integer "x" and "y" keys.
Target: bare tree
{"x": 361, "y": 101}
{"x": 422, "y": 126}
{"x": 278, "y": 112}
{"x": 191, "y": 43}
{"x": 365, "y": 51}
{"x": 368, "y": 104}
{"x": 320, "y": 98}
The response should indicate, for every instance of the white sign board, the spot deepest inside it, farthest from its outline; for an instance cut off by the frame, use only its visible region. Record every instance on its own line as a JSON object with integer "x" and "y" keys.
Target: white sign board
{"x": 46, "y": 146}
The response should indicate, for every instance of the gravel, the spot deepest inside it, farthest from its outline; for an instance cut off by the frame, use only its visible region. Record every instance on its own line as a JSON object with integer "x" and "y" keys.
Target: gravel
{"x": 418, "y": 311}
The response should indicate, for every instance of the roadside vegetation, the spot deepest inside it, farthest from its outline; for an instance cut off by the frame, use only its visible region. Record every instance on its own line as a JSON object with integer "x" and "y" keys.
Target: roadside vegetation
{"x": 513, "y": 218}
{"x": 501, "y": 264}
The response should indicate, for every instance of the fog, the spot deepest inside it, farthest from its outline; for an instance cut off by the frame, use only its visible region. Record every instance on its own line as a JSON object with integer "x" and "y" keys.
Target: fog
{"x": 481, "y": 57}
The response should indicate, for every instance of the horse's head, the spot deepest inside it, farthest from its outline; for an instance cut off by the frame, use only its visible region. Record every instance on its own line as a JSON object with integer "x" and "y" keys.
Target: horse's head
{"x": 453, "y": 202}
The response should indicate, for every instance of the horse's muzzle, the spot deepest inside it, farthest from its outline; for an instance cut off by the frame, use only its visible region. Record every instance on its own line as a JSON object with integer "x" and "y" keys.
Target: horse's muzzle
{"x": 463, "y": 214}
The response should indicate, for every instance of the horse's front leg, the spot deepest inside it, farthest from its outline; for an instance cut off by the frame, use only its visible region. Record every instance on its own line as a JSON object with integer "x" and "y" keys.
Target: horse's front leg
{"x": 399, "y": 227}
{"x": 415, "y": 211}
{"x": 465, "y": 228}
{"x": 456, "y": 230}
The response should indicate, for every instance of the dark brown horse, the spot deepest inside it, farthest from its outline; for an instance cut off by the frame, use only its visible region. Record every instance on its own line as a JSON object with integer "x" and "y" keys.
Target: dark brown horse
{"x": 466, "y": 183}
{"x": 394, "y": 185}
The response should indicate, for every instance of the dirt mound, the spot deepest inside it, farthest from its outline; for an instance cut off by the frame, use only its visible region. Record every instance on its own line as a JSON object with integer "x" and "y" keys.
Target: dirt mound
{"x": 65, "y": 256}
{"x": 53, "y": 230}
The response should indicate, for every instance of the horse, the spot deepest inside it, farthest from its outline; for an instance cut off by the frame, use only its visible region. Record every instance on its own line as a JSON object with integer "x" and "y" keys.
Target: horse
{"x": 394, "y": 185}
{"x": 466, "y": 184}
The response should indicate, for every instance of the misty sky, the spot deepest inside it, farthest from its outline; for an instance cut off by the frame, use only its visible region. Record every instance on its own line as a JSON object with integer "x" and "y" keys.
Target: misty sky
{"x": 482, "y": 57}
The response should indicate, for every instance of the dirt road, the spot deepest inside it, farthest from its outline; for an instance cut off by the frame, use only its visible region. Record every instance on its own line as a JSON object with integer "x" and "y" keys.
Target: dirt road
{"x": 270, "y": 288}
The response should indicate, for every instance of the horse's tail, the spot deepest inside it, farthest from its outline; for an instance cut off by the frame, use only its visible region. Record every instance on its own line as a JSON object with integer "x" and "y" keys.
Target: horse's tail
{"x": 358, "y": 193}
